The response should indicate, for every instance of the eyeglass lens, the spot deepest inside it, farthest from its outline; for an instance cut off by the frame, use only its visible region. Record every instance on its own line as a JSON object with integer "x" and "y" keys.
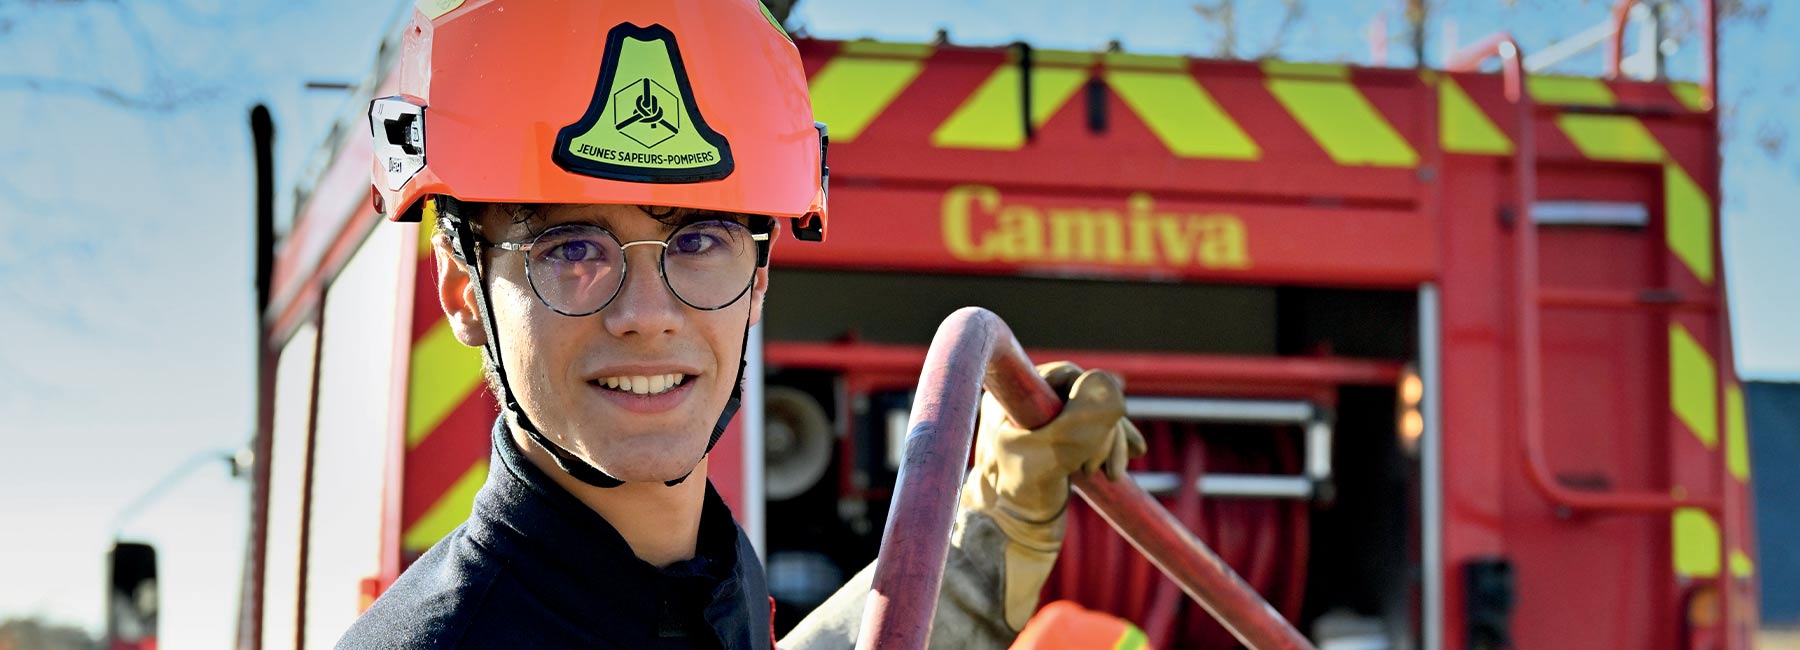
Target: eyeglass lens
{"x": 577, "y": 269}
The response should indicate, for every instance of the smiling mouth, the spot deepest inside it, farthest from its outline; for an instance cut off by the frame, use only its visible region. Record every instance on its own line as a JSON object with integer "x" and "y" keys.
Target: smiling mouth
{"x": 642, "y": 384}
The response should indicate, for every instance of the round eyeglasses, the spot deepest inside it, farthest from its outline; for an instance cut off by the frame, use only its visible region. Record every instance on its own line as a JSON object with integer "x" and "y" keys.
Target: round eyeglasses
{"x": 576, "y": 269}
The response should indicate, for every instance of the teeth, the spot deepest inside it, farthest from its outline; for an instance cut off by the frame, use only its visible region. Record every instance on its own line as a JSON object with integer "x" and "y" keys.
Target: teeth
{"x": 642, "y": 385}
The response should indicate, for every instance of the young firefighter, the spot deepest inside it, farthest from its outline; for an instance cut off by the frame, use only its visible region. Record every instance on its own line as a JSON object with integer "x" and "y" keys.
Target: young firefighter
{"x": 606, "y": 180}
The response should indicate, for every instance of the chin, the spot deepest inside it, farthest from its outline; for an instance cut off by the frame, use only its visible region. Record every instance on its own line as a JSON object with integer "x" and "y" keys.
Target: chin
{"x": 651, "y": 460}
{"x": 649, "y": 473}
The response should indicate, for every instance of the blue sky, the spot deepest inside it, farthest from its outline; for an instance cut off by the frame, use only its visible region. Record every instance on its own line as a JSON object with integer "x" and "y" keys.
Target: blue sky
{"x": 125, "y": 208}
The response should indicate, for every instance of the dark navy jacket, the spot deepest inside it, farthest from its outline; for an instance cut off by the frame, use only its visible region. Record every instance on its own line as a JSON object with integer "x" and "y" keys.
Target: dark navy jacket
{"x": 535, "y": 568}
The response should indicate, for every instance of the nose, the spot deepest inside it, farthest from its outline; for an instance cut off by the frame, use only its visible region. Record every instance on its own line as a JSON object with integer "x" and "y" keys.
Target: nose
{"x": 644, "y": 306}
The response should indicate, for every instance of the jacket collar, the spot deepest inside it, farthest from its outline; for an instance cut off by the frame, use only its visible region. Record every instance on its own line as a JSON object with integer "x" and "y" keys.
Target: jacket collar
{"x": 581, "y": 567}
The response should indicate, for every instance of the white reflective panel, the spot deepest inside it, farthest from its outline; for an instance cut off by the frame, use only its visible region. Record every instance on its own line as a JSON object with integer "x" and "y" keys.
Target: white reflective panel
{"x": 1590, "y": 213}
{"x": 1201, "y": 409}
{"x": 1431, "y": 471}
{"x": 356, "y": 375}
{"x": 287, "y": 467}
{"x": 755, "y": 496}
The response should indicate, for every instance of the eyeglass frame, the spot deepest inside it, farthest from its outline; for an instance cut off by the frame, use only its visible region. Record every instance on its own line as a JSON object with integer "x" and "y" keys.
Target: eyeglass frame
{"x": 762, "y": 240}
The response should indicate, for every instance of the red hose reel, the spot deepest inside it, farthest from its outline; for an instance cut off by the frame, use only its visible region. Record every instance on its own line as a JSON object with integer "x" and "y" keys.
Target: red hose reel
{"x": 1264, "y": 539}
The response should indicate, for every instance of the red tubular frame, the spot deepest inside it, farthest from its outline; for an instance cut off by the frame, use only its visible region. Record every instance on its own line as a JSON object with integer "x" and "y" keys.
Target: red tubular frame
{"x": 1528, "y": 296}
{"x": 1709, "y": 63}
{"x": 1187, "y": 561}
{"x": 1525, "y": 260}
{"x": 1615, "y": 44}
{"x": 973, "y": 344}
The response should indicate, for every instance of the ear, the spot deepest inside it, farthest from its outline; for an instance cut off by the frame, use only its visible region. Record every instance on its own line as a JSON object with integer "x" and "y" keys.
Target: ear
{"x": 456, "y": 294}
{"x": 761, "y": 287}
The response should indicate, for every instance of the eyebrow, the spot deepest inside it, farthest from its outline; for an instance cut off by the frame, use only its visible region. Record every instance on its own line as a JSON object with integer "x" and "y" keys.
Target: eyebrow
{"x": 696, "y": 216}
{"x": 681, "y": 217}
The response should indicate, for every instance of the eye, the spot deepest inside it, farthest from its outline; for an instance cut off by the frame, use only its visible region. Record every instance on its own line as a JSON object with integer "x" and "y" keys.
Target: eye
{"x": 709, "y": 238}
{"x": 701, "y": 239}
{"x": 573, "y": 251}
{"x": 693, "y": 242}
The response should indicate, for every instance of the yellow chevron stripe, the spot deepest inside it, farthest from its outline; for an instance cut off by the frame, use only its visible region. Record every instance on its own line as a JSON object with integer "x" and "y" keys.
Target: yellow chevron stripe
{"x": 1132, "y": 639}
{"x": 1737, "y": 434}
{"x": 989, "y": 118}
{"x": 1124, "y": 60}
{"x": 855, "y": 86}
{"x": 443, "y": 372}
{"x": 1691, "y": 95}
{"x": 1693, "y": 386}
{"x": 1688, "y": 217}
{"x": 1617, "y": 138}
{"x": 1067, "y": 58}
{"x": 1696, "y": 546}
{"x": 1688, "y": 222}
{"x": 427, "y": 229}
{"x": 1576, "y": 91}
{"x": 1741, "y": 566}
{"x": 1344, "y": 122}
{"x": 1182, "y": 114}
{"x": 1274, "y": 68}
{"x": 433, "y": 9}
{"x": 1463, "y": 127}
{"x": 874, "y": 48}
{"x": 450, "y": 511}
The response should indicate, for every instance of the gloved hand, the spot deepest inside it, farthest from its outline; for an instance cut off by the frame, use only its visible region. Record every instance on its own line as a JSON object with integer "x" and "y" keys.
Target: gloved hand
{"x": 1021, "y": 477}
{"x": 1011, "y": 522}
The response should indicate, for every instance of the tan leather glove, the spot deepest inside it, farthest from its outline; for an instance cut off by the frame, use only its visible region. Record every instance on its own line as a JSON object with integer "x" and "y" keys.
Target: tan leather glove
{"x": 1011, "y": 522}
{"x": 1021, "y": 477}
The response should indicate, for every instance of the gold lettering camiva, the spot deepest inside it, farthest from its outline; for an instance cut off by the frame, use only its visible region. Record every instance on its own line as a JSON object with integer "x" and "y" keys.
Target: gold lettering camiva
{"x": 980, "y": 227}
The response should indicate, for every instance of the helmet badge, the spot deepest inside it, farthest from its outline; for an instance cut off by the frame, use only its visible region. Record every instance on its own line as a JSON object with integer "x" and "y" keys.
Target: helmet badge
{"x": 643, "y": 125}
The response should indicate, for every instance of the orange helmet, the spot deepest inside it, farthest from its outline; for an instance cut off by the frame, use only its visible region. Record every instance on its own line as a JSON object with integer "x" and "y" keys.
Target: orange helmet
{"x": 675, "y": 103}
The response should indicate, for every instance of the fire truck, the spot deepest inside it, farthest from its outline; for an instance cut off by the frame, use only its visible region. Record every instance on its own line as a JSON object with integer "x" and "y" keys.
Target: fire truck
{"x": 1432, "y": 358}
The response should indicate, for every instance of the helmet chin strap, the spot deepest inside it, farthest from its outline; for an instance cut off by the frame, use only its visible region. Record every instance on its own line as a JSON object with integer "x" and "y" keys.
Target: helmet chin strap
{"x": 574, "y": 465}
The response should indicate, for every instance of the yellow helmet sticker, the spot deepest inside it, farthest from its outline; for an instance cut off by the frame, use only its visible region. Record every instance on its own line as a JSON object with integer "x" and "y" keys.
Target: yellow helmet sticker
{"x": 435, "y": 9}
{"x": 642, "y": 124}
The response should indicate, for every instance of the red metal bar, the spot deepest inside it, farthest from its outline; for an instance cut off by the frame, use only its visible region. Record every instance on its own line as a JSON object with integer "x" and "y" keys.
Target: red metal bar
{"x": 1737, "y": 634}
{"x": 1709, "y": 61}
{"x": 1615, "y": 44}
{"x": 1187, "y": 561}
{"x": 1709, "y": 48}
{"x": 865, "y": 358}
{"x": 393, "y": 474}
{"x": 974, "y": 343}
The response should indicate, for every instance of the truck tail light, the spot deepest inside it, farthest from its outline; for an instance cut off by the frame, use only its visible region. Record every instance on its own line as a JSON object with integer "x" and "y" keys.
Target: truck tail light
{"x": 1703, "y": 630}
{"x": 367, "y": 591}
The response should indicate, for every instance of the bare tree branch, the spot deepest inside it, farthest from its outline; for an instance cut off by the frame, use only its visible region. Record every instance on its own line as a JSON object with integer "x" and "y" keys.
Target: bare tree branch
{"x": 162, "y": 102}
{"x": 164, "y": 90}
{"x": 1221, "y": 13}
{"x": 1746, "y": 10}
{"x": 1771, "y": 138}
{"x": 1292, "y": 12}
{"x": 1418, "y": 12}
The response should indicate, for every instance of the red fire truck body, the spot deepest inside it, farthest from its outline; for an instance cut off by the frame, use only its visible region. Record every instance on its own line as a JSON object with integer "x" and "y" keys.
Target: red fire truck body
{"x": 1399, "y": 385}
